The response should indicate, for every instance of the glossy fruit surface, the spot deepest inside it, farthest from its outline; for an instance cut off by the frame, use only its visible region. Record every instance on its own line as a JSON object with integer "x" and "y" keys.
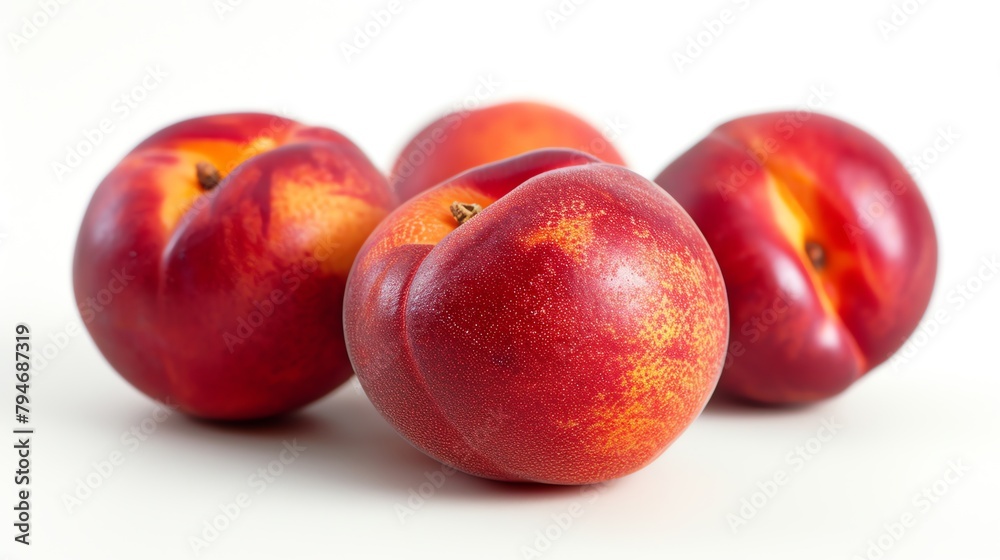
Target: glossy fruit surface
{"x": 826, "y": 244}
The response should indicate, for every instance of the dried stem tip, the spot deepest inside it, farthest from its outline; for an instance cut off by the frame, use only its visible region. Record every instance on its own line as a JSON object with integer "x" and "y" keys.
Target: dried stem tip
{"x": 208, "y": 175}
{"x": 816, "y": 254}
{"x": 464, "y": 211}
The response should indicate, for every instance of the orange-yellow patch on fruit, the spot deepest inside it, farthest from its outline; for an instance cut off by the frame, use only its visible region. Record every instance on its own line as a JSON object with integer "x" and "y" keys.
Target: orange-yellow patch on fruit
{"x": 683, "y": 280}
{"x": 794, "y": 223}
{"x": 788, "y": 214}
{"x": 638, "y": 423}
{"x": 336, "y": 224}
{"x": 634, "y": 430}
{"x": 640, "y": 228}
{"x": 658, "y": 392}
{"x": 662, "y": 323}
{"x": 635, "y": 423}
{"x": 226, "y": 155}
{"x": 179, "y": 184}
{"x": 426, "y": 220}
{"x": 257, "y": 145}
{"x": 572, "y": 232}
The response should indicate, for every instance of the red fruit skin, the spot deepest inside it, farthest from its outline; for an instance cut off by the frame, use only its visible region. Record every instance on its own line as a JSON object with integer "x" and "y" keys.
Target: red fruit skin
{"x": 761, "y": 188}
{"x": 566, "y": 334}
{"x": 462, "y": 140}
{"x": 226, "y": 303}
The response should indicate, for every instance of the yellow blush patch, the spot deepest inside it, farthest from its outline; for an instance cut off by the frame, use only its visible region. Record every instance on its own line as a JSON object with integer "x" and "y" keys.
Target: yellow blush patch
{"x": 258, "y": 145}
{"x": 795, "y": 226}
{"x": 227, "y": 155}
{"x": 180, "y": 181}
{"x": 636, "y": 424}
{"x": 640, "y": 228}
{"x": 634, "y": 431}
{"x": 336, "y": 225}
{"x": 571, "y": 234}
{"x": 788, "y": 214}
{"x": 426, "y": 220}
{"x": 179, "y": 184}
{"x": 662, "y": 326}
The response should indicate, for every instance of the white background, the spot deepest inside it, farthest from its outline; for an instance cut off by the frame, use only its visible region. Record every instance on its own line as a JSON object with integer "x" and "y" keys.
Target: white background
{"x": 901, "y": 427}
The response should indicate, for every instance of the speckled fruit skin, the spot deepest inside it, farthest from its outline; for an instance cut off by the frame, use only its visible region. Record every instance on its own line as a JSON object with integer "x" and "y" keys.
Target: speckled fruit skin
{"x": 566, "y": 334}
{"x": 462, "y": 140}
{"x": 772, "y": 192}
{"x": 226, "y": 302}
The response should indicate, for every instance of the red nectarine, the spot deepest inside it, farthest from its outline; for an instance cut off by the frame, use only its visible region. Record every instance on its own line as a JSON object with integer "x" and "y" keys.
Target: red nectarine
{"x": 235, "y": 234}
{"x": 544, "y": 318}
{"x": 465, "y": 139}
{"x": 827, "y": 247}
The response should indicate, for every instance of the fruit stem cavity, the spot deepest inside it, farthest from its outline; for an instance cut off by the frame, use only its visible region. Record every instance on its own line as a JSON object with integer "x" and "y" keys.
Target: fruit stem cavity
{"x": 816, "y": 254}
{"x": 208, "y": 175}
{"x": 464, "y": 211}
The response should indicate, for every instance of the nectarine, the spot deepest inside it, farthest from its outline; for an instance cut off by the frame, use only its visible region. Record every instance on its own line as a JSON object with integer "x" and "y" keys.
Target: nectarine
{"x": 462, "y": 140}
{"x": 545, "y": 318}
{"x": 234, "y": 234}
{"x": 826, "y": 245}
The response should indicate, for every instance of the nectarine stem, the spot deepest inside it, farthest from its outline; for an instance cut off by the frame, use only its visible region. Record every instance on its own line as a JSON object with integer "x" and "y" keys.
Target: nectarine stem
{"x": 208, "y": 175}
{"x": 816, "y": 254}
{"x": 464, "y": 211}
